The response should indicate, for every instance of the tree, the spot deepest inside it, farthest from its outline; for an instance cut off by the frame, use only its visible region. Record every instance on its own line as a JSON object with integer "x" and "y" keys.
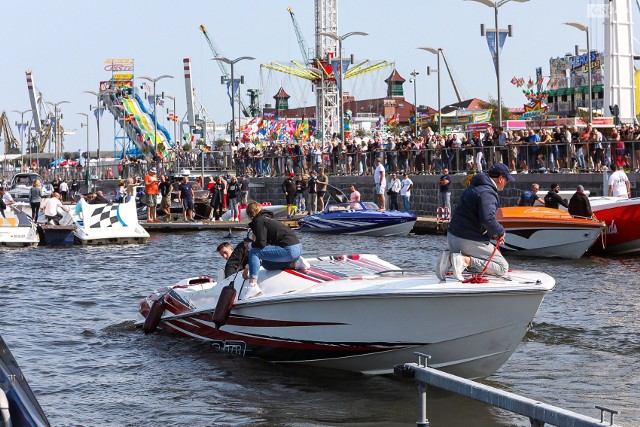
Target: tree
{"x": 493, "y": 106}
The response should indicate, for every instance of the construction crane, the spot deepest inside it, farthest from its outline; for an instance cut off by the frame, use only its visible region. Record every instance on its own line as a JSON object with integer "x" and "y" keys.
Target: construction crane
{"x": 223, "y": 68}
{"x": 453, "y": 82}
{"x": 11, "y": 145}
{"x": 301, "y": 41}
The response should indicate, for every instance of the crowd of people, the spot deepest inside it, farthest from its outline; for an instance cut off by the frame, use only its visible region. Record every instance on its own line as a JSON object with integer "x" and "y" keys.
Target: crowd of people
{"x": 561, "y": 149}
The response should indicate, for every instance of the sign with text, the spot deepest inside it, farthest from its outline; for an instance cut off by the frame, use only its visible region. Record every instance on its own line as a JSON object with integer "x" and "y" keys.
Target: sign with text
{"x": 116, "y": 65}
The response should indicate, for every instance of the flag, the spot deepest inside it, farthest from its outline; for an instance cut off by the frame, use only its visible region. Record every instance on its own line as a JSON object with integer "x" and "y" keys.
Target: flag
{"x": 493, "y": 49}
{"x": 520, "y": 82}
{"x": 530, "y": 83}
{"x": 514, "y": 81}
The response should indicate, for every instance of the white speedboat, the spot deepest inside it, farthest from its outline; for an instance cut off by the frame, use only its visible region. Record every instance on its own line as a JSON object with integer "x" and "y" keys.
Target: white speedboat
{"x": 112, "y": 223}
{"x": 545, "y": 232}
{"x": 21, "y": 184}
{"x": 357, "y": 313}
{"x": 18, "y": 405}
{"x": 17, "y": 229}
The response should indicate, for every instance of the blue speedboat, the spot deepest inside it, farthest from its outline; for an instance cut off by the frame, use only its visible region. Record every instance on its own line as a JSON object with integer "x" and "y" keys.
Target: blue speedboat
{"x": 363, "y": 218}
{"x": 18, "y": 405}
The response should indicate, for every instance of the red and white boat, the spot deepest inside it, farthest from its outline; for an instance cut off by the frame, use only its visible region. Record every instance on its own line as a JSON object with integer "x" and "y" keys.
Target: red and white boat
{"x": 545, "y": 232}
{"x": 357, "y": 313}
{"x": 622, "y": 232}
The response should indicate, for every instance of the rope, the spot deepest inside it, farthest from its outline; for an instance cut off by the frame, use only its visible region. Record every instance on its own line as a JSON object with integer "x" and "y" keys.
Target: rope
{"x": 477, "y": 278}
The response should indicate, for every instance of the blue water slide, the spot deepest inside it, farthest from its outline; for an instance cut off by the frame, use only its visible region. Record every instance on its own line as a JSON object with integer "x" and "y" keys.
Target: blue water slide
{"x": 161, "y": 128}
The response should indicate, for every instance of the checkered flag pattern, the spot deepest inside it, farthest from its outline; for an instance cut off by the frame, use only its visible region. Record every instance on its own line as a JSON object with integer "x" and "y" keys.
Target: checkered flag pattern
{"x": 104, "y": 216}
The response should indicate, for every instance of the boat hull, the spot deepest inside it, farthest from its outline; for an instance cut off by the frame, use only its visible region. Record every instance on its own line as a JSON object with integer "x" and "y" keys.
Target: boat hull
{"x": 106, "y": 224}
{"x": 367, "y": 322}
{"x": 17, "y": 230}
{"x": 334, "y": 337}
{"x": 622, "y": 231}
{"x": 377, "y": 224}
{"x": 547, "y": 233}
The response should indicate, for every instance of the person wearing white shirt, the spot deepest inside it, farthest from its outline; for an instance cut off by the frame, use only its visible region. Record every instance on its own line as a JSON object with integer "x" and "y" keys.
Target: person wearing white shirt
{"x": 51, "y": 208}
{"x": 381, "y": 183}
{"x": 7, "y": 200}
{"x": 619, "y": 185}
{"x": 405, "y": 191}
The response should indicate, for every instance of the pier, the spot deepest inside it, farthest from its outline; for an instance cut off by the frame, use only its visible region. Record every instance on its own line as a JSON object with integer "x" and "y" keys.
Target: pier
{"x": 539, "y": 413}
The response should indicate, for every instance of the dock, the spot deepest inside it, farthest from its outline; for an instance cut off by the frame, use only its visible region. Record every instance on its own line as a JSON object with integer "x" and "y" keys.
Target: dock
{"x": 423, "y": 225}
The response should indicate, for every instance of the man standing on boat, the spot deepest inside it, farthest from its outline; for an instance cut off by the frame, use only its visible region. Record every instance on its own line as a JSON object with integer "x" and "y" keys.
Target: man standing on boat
{"x": 553, "y": 200}
{"x": 474, "y": 225}
{"x": 530, "y": 197}
{"x": 289, "y": 190}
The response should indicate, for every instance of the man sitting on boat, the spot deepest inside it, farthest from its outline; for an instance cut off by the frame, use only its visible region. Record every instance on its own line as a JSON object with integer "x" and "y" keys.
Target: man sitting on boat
{"x": 473, "y": 225}
{"x": 272, "y": 242}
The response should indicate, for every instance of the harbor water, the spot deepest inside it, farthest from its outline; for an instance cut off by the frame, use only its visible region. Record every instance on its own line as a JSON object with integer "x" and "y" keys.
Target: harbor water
{"x": 69, "y": 314}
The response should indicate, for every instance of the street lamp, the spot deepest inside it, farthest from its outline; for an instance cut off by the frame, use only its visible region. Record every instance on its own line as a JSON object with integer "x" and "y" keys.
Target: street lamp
{"x": 496, "y": 5}
{"x": 436, "y": 52}
{"x": 155, "y": 115}
{"x": 57, "y": 136}
{"x": 175, "y": 117}
{"x": 97, "y": 114}
{"x": 21, "y": 128}
{"x": 223, "y": 80}
{"x": 339, "y": 39}
{"x": 586, "y": 30}
{"x": 414, "y": 74}
{"x": 86, "y": 172}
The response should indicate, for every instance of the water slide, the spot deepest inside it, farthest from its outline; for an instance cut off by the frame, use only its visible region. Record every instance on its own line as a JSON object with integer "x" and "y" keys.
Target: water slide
{"x": 139, "y": 127}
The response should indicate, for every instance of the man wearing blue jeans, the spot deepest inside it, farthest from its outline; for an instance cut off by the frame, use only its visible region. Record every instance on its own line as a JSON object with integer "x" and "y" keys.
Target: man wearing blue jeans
{"x": 473, "y": 225}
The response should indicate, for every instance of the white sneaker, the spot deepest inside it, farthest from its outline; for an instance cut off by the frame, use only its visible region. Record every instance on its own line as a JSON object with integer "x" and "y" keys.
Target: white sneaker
{"x": 250, "y": 290}
{"x": 457, "y": 265}
{"x": 301, "y": 264}
{"x": 443, "y": 264}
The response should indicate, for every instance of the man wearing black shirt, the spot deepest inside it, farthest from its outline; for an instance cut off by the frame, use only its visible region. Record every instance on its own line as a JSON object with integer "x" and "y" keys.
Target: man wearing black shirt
{"x": 444, "y": 195}
{"x": 553, "y": 199}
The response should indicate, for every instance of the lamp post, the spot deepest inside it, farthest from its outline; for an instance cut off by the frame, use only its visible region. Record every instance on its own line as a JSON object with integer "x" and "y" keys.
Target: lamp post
{"x": 86, "y": 172}
{"x": 57, "y": 136}
{"x": 223, "y": 80}
{"x": 97, "y": 114}
{"x": 414, "y": 75}
{"x": 496, "y": 5}
{"x": 436, "y": 52}
{"x": 21, "y": 128}
{"x": 586, "y": 30}
{"x": 154, "y": 80}
{"x": 339, "y": 39}
{"x": 175, "y": 117}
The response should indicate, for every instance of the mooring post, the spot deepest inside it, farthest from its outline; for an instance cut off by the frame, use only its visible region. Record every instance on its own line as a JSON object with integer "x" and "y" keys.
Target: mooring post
{"x": 422, "y": 394}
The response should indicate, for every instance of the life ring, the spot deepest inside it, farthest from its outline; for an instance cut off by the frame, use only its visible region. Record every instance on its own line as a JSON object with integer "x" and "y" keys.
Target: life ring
{"x": 155, "y": 314}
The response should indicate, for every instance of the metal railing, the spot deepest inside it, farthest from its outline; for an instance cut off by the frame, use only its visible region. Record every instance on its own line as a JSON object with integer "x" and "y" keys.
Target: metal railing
{"x": 538, "y": 413}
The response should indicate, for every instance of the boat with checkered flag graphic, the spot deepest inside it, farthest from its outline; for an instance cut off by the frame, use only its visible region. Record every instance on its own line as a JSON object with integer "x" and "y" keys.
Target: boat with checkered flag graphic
{"x": 111, "y": 223}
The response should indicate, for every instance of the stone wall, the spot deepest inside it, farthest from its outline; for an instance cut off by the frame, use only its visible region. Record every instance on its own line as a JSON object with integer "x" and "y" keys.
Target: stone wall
{"x": 425, "y": 190}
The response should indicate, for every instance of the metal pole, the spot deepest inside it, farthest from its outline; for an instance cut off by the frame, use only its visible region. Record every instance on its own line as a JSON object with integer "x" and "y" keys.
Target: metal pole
{"x": 415, "y": 102}
{"x": 233, "y": 108}
{"x": 498, "y": 66}
{"x": 439, "y": 98}
{"x": 589, "y": 77}
{"x": 155, "y": 123}
{"x": 98, "y": 129}
{"x": 340, "y": 92}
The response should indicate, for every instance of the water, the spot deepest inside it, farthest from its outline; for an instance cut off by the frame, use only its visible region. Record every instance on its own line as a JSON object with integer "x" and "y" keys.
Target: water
{"x": 68, "y": 315}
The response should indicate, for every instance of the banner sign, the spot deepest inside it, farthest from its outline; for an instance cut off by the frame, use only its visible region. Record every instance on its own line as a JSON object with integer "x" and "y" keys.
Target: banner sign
{"x": 491, "y": 41}
{"x": 115, "y": 65}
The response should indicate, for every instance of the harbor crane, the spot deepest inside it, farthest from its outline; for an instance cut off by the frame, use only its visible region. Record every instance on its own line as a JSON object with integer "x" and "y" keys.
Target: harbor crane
{"x": 223, "y": 69}
{"x": 301, "y": 41}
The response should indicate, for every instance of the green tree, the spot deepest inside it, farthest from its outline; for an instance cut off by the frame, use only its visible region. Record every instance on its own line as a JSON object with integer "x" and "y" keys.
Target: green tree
{"x": 493, "y": 106}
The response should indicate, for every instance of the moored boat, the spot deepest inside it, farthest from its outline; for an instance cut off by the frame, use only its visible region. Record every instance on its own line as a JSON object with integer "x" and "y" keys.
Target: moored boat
{"x": 622, "y": 218}
{"x": 17, "y": 229}
{"x": 18, "y": 405}
{"x": 545, "y": 232}
{"x": 103, "y": 224}
{"x": 357, "y": 313}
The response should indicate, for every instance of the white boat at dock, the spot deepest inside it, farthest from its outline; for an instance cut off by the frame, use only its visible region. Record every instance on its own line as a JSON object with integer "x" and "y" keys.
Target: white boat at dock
{"x": 111, "y": 223}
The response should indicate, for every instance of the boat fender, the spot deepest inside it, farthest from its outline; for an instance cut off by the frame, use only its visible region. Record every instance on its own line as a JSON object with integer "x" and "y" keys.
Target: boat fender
{"x": 223, "y": 306}
{"x": 155, "y": 314}
{"x": 354, "y": 257}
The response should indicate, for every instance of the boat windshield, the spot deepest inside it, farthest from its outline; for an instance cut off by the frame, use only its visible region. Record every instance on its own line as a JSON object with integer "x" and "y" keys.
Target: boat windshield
{"x": 350, "y": 207}
{"x": 25, "y": 180}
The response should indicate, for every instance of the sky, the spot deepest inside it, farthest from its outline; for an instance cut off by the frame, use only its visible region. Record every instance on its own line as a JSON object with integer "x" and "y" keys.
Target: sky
{"x": 65, "y": 44}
